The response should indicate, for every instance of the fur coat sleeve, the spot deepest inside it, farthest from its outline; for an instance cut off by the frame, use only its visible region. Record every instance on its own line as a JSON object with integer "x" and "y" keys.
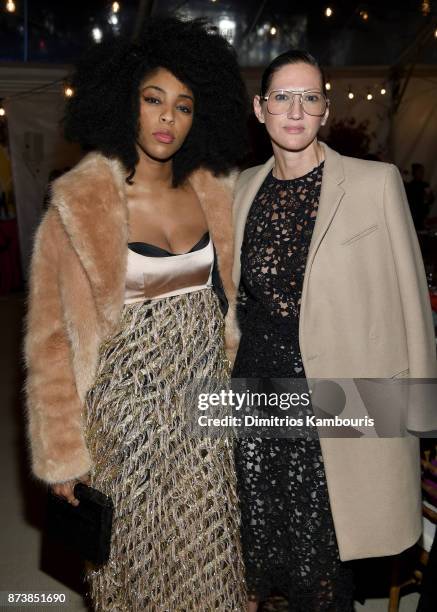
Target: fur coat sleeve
{"x": 54, "y": 409}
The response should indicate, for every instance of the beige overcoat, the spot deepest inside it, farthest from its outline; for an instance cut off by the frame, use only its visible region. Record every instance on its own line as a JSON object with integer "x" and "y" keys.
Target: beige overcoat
{"x": 365, "y": 313}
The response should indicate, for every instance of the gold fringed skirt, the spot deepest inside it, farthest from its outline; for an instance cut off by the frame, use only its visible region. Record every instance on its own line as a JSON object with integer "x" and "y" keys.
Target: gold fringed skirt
{"x": 175, "y": 540}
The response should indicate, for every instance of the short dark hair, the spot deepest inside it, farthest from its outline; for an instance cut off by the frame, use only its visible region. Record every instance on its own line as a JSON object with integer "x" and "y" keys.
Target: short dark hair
{"x": 103, "y": 114}
{"x": 292, "y": 56}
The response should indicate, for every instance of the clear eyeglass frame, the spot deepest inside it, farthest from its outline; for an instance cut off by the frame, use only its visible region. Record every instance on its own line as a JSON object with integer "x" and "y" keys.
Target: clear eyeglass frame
{"x": 301, "y": 102}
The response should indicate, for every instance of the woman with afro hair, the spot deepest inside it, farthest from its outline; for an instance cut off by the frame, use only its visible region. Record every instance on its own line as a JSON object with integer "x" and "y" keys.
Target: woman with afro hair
{"x": 131, "y": 303}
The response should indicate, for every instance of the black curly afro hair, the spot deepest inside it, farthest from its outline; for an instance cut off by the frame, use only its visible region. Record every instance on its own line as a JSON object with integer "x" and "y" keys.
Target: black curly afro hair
{"x": 103, "y": 114}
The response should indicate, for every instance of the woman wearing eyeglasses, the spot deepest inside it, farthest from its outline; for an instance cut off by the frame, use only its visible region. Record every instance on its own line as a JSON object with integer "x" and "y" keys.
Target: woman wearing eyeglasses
{"x": 331, "y": 284}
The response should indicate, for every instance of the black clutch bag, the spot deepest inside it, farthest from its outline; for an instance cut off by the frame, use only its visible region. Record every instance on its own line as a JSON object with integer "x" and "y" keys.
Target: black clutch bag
{"x": 84, "y": 529}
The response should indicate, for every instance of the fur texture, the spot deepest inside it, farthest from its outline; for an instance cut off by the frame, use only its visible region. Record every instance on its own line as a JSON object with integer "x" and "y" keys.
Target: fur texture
{"x": 76, "y": 297}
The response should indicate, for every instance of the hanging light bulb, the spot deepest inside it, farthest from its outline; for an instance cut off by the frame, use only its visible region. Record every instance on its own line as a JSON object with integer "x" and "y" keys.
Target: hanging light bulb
{"x": 369, "y": 96}
{"x": 227, "y": 28}
{"x": 328, "y": 11}
{"x": 328, "y": 86}
{"x": 435, "y": 33}
{"x": 2, "y": 109}
{"x": 383, "y": 91}
{"x": 68, "y": 91}
{"x": 350, "y": 95}
{"x": 97, "y": 34}
{"x": 10, "y": 6}
{"x": 115, "y": 7}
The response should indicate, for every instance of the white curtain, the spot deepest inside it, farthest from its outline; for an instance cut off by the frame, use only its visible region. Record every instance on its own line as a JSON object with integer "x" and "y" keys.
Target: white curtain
{"x": 36, "y": 148}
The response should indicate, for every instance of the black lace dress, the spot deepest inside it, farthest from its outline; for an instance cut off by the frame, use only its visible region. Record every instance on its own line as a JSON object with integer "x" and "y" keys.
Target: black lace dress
{"x": 288, "y": 536}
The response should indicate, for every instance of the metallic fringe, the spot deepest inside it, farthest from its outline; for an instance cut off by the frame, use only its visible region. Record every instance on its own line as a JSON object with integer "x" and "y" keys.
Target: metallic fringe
{"x": 175, "y": 542}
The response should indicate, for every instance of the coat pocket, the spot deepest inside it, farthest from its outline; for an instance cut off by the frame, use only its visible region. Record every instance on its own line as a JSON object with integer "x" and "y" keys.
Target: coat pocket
{"x": 401, "y": 374}
{"x": 364, "y": 232}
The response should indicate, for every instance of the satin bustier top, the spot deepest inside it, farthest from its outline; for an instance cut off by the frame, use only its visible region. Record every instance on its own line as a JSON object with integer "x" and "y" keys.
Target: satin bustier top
{"x": 153, "y": 272}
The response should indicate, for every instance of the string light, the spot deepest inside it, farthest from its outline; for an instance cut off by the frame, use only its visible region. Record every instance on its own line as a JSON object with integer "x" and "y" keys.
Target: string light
{"x": 97, "y": 34}
{"x": 369, "y": 96}
{"x": 115, "y": 7}
{"x": 435, "y": 33}
{"x": 68, "y": 92}
{"x": 32, "y": 90}
{"x": 383, "y": 91}
{"x": 273, "y": 31}
{"x": 10, "y": 6}
{"x": 113, "y": 19}
{"x": 328, "y": 11}
{"x": 328, "y": 86}
{"x": 227, "y": 28}
{"x": 350, "y": 95}
{"x": 364, "y": 15}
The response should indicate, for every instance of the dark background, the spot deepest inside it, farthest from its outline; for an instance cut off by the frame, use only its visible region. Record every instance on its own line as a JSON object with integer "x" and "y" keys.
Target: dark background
{"x": 59, "y": 31}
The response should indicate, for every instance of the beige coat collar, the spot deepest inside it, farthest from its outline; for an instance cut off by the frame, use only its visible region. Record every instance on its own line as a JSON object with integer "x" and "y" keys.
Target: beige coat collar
{"x": 330, "y": 198}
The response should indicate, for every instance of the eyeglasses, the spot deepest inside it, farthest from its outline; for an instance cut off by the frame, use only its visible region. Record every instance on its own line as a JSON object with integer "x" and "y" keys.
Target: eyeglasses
{"x": 280, "y": 101}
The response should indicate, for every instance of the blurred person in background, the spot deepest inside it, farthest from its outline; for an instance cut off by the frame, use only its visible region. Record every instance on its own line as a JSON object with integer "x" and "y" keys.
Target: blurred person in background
{"x": 420, "y": 196}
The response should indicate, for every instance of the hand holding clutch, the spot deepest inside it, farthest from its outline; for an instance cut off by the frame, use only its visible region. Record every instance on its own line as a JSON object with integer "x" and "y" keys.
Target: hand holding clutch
{"x": 84, "y": 528}
{"x": 66, "y": 489}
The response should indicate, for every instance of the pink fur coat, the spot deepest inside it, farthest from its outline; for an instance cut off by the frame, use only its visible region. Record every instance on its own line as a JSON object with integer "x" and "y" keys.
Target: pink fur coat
{"x": 76, "y": 297}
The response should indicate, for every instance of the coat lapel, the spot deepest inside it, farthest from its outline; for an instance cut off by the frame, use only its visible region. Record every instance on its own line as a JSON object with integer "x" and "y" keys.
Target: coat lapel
{"x": 244, "y": 198}
{"x": 91, "y": 203}
{"x": 215, "y": 196}
{"x": 330, "y": 197}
